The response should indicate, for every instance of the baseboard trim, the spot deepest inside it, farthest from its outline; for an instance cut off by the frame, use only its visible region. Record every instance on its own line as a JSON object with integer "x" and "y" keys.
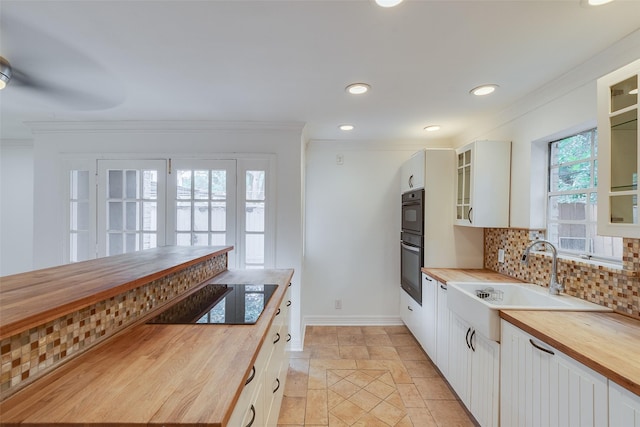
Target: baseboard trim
{"x": 351, "y": 321}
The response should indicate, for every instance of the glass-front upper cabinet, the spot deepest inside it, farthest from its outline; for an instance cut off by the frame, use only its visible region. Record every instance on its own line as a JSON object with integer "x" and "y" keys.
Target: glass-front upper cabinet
{"x": 618, "y": 152}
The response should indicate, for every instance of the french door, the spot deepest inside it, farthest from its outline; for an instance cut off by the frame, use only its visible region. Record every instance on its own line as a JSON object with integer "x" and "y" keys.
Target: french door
{"x": 131, "y": 205}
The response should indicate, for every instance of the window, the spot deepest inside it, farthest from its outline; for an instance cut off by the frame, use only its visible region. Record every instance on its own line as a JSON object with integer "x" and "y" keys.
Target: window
{"x": 572, "y": 199}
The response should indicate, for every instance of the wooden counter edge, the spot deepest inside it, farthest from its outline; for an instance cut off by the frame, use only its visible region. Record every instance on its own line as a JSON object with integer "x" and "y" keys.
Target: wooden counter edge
{"x": 9, "y": 329}
{"x": 569, "y": 351}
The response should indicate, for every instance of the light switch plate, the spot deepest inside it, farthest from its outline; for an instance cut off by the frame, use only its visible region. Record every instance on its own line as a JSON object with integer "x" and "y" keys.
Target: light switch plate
{"x": 501, "y": 256}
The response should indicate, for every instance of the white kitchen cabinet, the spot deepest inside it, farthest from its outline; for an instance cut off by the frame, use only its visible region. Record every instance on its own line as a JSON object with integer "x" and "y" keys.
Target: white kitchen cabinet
{"x": 541, "y": 386}
{"x": 474, "y": 371}
{"x": 260, "y": 400}
{"x": 412, "y": 172}
{"x": 624, "y": 407}
{"x": 483, "y": 170}
{"x": 618, "y": 141}
{"x": 412, "y": 315}
{"x": 429, "y": 312}
{"x": 443, "y": 322}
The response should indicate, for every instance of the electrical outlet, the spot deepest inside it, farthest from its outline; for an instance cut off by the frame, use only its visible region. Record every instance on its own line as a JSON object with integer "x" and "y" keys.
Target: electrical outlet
{"x": 339, "y": 159}
{"x": 338, "y": 304}
{"x": 501, "y": 256}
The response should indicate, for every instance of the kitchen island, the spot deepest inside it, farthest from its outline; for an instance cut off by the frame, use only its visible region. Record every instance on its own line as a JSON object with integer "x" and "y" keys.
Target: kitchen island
{"x": 160, "y": 374}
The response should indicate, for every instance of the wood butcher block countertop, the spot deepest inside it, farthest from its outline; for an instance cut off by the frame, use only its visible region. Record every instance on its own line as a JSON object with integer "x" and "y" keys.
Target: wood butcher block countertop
{"x": 31, "y": 299}
{"x": 148, "y": 374}
{"x": 608, "y": 343}
{"x": 445, "y": 275}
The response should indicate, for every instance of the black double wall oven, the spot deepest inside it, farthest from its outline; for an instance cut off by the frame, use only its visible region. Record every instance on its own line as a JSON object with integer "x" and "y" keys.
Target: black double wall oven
{"x": 412, "y": 243}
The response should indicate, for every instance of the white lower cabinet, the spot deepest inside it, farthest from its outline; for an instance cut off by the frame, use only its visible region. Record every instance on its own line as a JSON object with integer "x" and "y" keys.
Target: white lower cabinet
{"x": 624, "y": 407}
{"x": 411, "y": 314}
{"x": 429, "y": 315}
{"x": 474, "y": 371}
{"x": 259, "y": 403}
{"x": 541, "y": 386}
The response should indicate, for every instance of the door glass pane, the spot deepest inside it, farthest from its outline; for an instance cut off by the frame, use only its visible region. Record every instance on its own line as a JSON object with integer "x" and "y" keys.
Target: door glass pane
{"x": 201, "y": 185}
{"x": 624, "y": 94}
{"x": 467, "y": 185}
{"x": 218, "y": 184}
{"x": 150, "y": 216}
{"x": 218, "y": 239}
{"x": 115, "y": 216}
{"x": 183, "y": 178}
{"x": 132, "y": 216}
{"x": 460, "y": 185}
{"x": 131, "y": 245}
{"x": 183, "y": 216}
{"x": 183, "y": 239}
{"x": 254, "y": 248}
{"x": 624, "y": 209}
{"x": 624, "y": 152}
{"x": 201, "y": 216}
{"x": 255, "y": 216}
{"x": 150, "y": 185}
{"x": 255, "y": 185}
{"x": 115, "y": 184}
{"x": 132, "y": 184}
{"x": 115, "y": 244}
{"x": 218, "y": 216}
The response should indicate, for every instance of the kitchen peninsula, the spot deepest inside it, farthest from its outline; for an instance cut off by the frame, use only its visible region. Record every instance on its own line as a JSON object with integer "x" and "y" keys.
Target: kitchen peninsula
{"x": 76, "y": 350}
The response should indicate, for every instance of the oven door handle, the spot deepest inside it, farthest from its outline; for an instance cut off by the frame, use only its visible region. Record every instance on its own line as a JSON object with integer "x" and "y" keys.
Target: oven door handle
{"x": 410, "y": 248}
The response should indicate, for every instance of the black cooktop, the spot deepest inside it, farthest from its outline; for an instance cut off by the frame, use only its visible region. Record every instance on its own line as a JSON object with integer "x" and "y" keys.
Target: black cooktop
{"x": 219, "y": 304}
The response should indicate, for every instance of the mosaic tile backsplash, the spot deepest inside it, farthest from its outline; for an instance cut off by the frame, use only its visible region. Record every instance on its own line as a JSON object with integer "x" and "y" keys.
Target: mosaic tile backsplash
{"x": 611, "y": 287}
{"x": 32, "y": 353}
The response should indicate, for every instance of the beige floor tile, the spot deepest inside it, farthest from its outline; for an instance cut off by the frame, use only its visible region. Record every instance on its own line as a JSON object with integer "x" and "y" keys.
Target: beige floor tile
{"x": 321, "y": 330}
{"x": 316, "y": 408}
{"x": 449, "y": 413}
{"x": 333, "y": 399}
{"x": 336, "y": 422}
{"x": 370, "y": 420}
{"x": 377, "y": 340}
{"x": 317, "y": 378}
{"x": 292, "y": 410}
{"x": 373, "y": 330}
{"x": 387, "y": 379}
{"x": 388, "y": 413}
{"x": 421, "y": 417}
{"x": 383, "y": 353}
{"x": 411, "y": 397}
{"x": 360, "y": 378}
{"x": 348, "y": 412}
{"x": 372, "y": 364}
{"x": 398, "y": 372}
{"x": 332, "y": 363}
{"x": 354, "y": 352}
{"x": 320, "y": 339}
{"x": 305, "y": 354}
{"x": 297, "y": 381}
{"x": 365, "y": 400}
{"x": 333, "y": 377}
{"x": 400, "y": 329}
{"x": 434, "y": 389}
{"x": 380, "y": 389}
{"x": 402, "y": 339}
{"x": 344, "y": 388}
{"x": 349, "y": 330}
{"x": 395, "y": 399}
{"x": 421, "y": 368}
{"x": 411, "y": 352}
{"x": 351, "y": 340}
{"x": 325, "y": 351}
{"x": 405, "y": 422}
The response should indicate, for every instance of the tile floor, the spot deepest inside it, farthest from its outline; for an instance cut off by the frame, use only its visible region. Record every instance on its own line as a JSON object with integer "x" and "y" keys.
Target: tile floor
{"x": 371, "y": 376}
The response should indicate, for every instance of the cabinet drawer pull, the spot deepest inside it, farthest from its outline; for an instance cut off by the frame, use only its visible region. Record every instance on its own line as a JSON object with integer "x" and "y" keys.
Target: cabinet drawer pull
{"x": 289, "y": 303}
{"x": 253, "y": 416}
{"x": 278, "y": 386}
{"x": 541, "y": 348}
{"x": 409, "y": 307}
{"x": 471, "y": 341}
{"x": 443, "y": 287}
{"x": 288, "y": 337}
{"x": 289, "y": 285}
{"x": 278, "y": 312}
{"x": 428, "y": 279}
{"x": 253, "y": 374}
{"x": 277, "y": 337}
{"x": 470, "y": 210}
{"x": 466, "y": 338}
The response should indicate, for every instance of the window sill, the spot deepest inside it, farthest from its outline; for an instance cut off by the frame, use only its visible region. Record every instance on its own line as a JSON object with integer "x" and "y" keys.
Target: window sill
{"x": 615, "y": 267}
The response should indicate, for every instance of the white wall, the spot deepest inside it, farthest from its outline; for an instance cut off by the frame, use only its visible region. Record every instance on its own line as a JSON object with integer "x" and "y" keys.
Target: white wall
{"x": 352, "y": 241}
{"x": 16, "y": 206}
{"x": 55, "y": 142}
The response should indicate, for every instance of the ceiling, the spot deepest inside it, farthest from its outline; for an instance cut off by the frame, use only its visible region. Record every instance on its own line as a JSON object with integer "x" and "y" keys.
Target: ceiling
{"x": 289, "y": 61}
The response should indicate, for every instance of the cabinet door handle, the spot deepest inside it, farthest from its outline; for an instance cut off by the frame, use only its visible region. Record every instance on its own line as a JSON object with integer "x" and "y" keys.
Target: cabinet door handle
{"x": 253, "y": 416}
{"x": 470, "y": 210}
{"x": 409, "y": 307}
{"x": 278, "y": 312}
{"x": 428, "y": 279}
{"x": 443, "y": 287}
{"x": 277, "y": 337}
{"x": 411, "y": 181}
{"x": 471, "y": 341}
{"x": 253, "y": 374}
{"x": 289, "y": 303}
{"x": 289, "y": 285}
{"x": 466, "y": 338}
{"x": 278, "y": 386}
{"x": 288, "y": 337}
{"x": 541, "y": 348}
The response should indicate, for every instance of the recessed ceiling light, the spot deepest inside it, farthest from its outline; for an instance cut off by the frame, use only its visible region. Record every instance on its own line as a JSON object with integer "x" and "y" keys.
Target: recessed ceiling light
{"x": 483, "y": 90}
{"x": 358, "y": 88}
{"x": 388, "y": 3}
{"x": 346, "y": 127}
{"x": 594, "y": 2}
{"x": 432, "y": 128}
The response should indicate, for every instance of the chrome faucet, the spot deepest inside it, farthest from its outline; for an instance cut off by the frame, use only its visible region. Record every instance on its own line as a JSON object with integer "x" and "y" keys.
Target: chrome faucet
{"x": 554, "y": 286}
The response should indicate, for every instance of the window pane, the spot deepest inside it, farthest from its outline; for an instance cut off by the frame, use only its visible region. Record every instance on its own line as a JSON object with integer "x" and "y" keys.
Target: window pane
{"x": 572, "y": 237}
{"x": 571, "y": 177}
{"x": 201, "y": 216}
{"x": 254, "y": 248}
{"x": 115, "y": 244}
{"x": 150, "y": 185}
{"x": 183, "y": 216}
{"x": 571, "y": 149}
{"x": 605, "y": 245}
{"x": 149, "y": 240}
{"x": 571, "y": 207}
{"x": 200, "y": 239}
{"x": 255, "y": 216}
{"x": 132, "y": 184}
{"x": 218, "y": 216}
{"x": 183, "y": 239}
{"x": 218, "y": 239}
{"x": 115, "y": 184}
{"x": 115, "y": 216}
{"x": 131, "y": 216}
{"x": 184, "y": 184}
{"x": 131, "y": 242}
{"x": 201, "y": 185}
{"x": 255, "y": 185}
{"x": 150, "y": 216}
{"x": 219, "y": 184}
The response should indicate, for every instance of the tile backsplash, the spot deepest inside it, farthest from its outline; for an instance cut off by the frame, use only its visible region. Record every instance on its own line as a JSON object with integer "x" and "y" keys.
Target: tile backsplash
{"x": 616, "y": 288}
{"x": 28, "y": 355}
